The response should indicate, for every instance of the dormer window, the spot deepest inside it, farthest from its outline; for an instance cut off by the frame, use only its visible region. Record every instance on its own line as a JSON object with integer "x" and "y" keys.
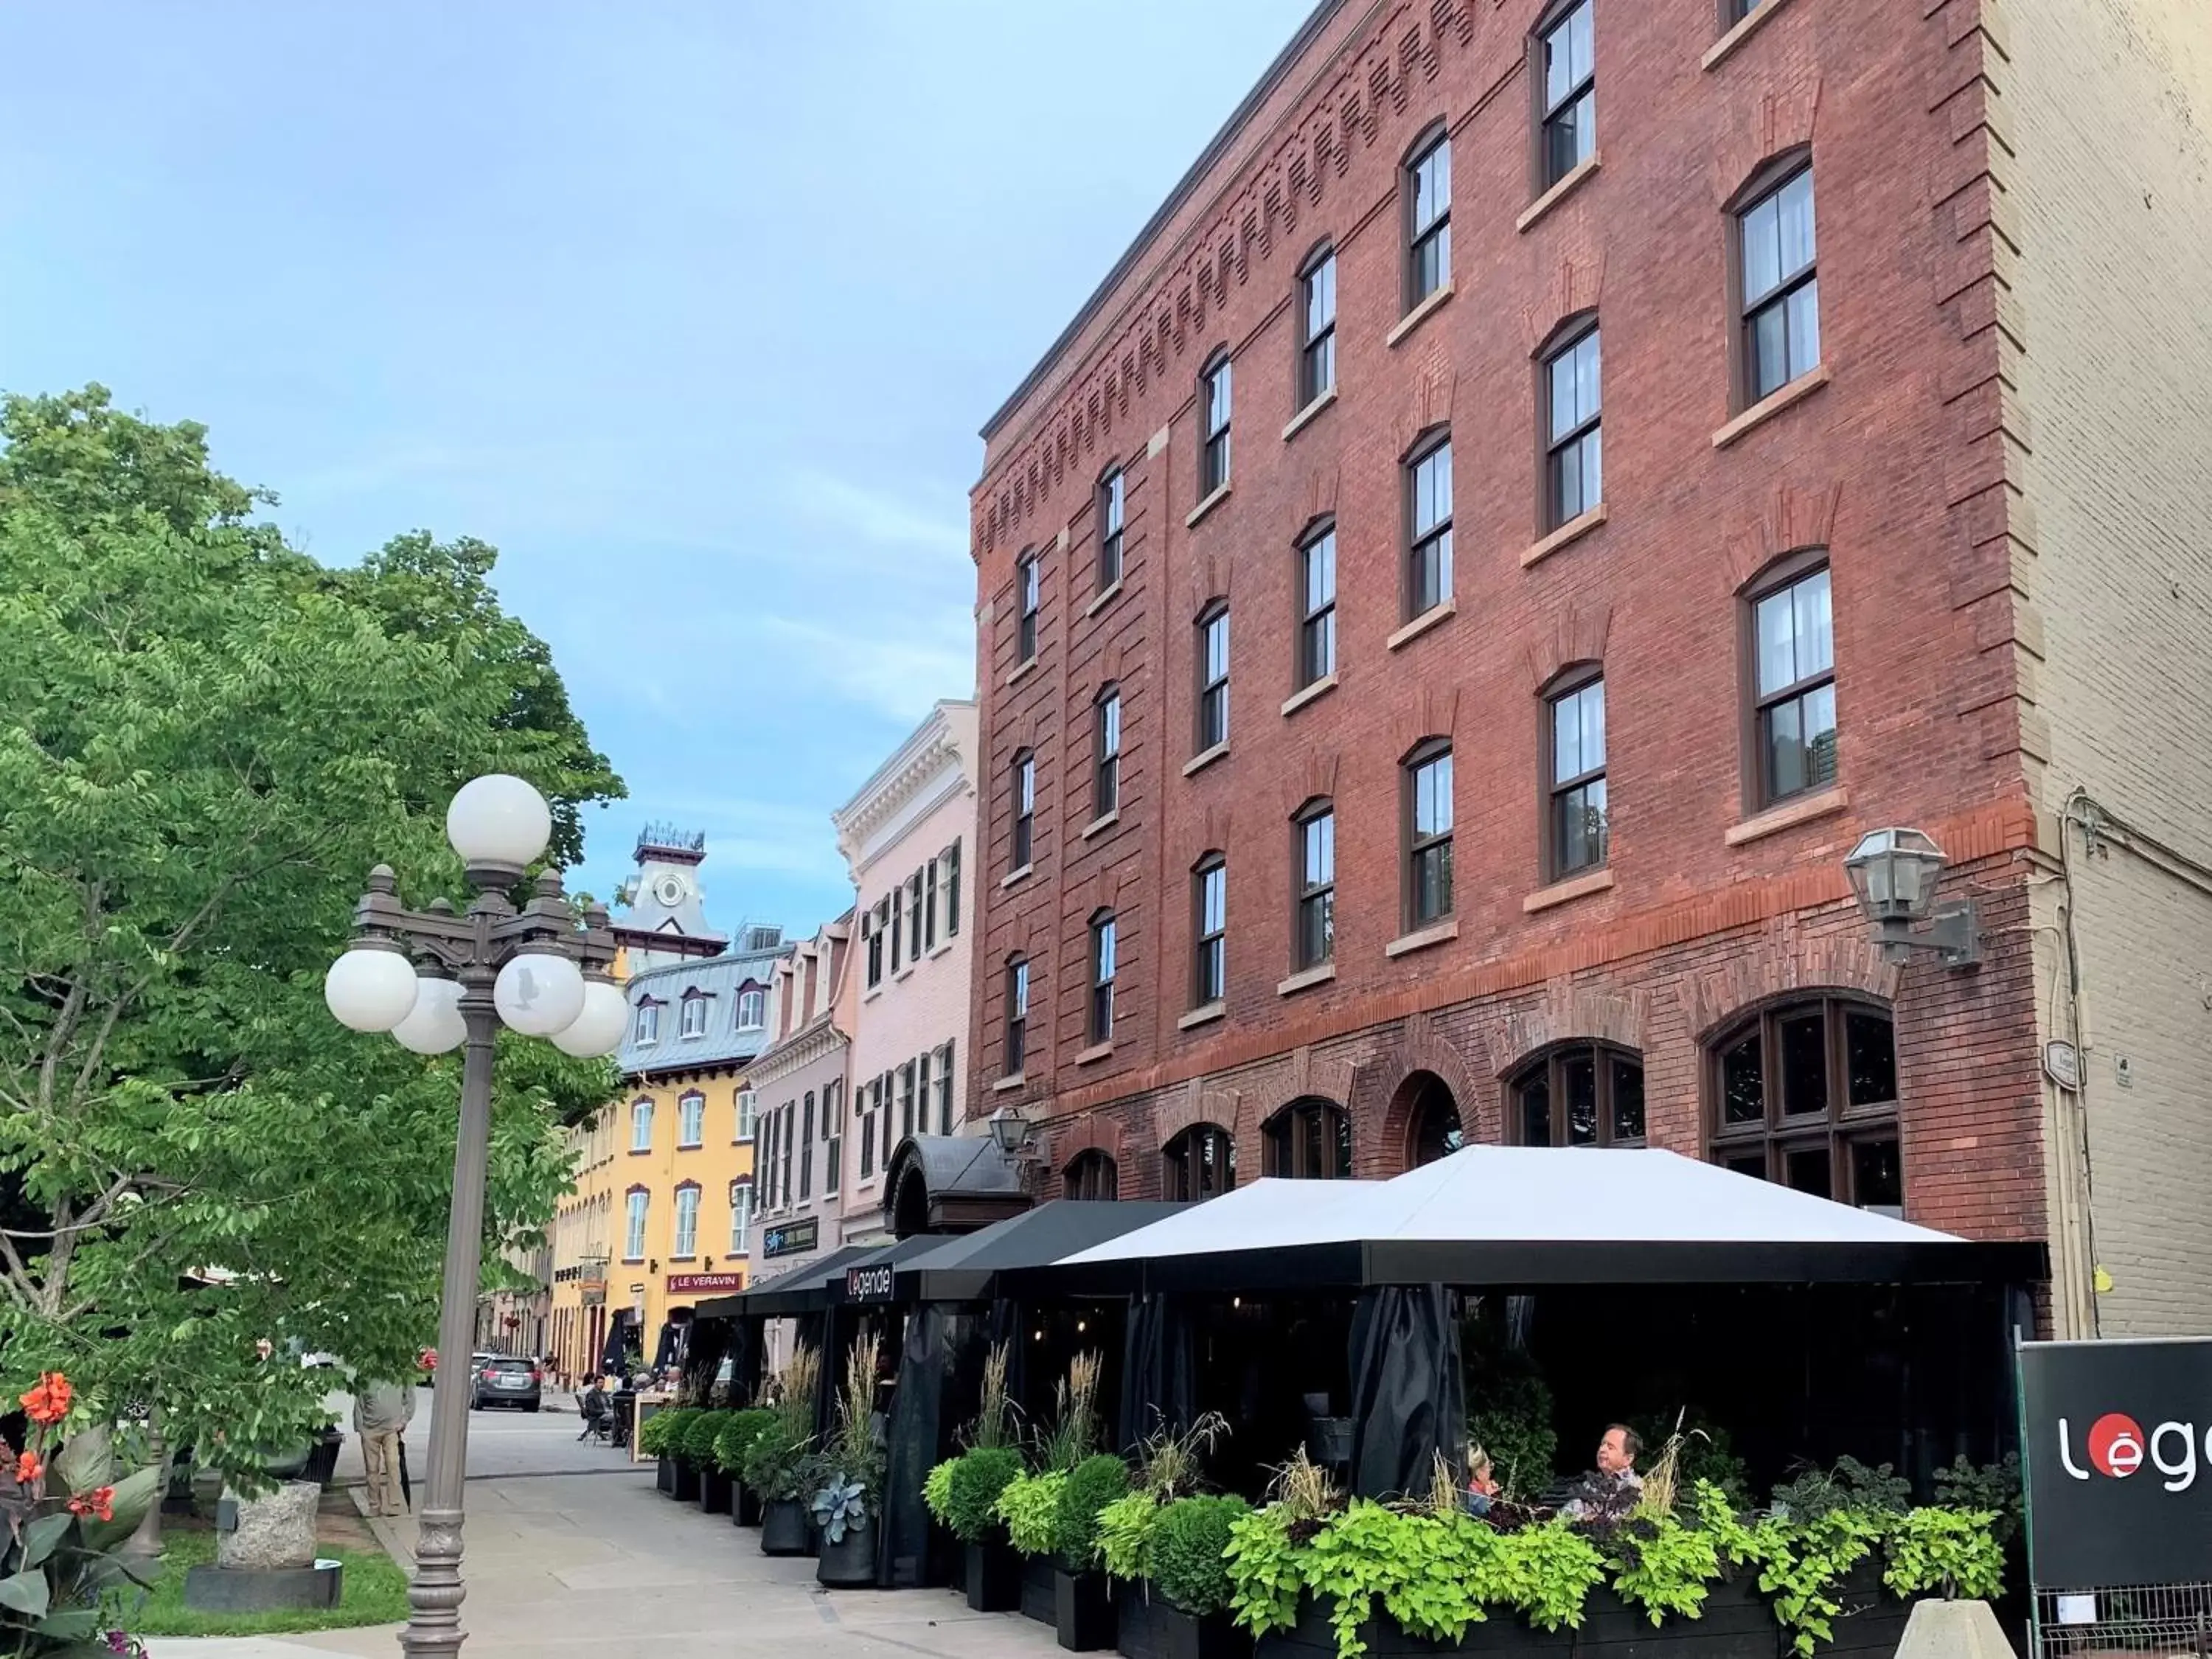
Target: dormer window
{"x": 693, "y": 1023}
{"x": 752, "y": 1008}
{"x": 648, "y": 1023}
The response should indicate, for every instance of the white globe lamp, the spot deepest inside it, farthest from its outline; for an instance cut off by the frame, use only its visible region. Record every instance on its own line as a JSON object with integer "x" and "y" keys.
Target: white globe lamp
{"x": 434, "y": 1025}
{"x": 500, "y": 821}
{"x": 599, "y": 1029}
{"x": 539, "y": 993}
{"x": 370, "y": 989}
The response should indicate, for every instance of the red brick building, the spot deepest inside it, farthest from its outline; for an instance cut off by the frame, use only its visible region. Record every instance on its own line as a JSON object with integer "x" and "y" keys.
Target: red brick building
{"x": 1450, "y": 717}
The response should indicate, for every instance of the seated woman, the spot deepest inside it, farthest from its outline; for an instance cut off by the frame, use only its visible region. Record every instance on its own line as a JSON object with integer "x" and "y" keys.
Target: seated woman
{"x": 1481, "y": 1483}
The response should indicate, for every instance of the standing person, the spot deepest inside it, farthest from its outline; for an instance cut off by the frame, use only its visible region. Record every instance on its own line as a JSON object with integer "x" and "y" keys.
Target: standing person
{"x": 382, "y": 1413}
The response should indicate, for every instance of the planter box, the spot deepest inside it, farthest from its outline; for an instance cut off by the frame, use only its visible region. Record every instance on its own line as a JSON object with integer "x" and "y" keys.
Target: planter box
{"x": 941, "y": 1562}
{"x": 785, "y": 1528}
{"x": 687, "y": 1482}
{"x": 993, "y": 1578}
{"x": 849, "y": 1563}
{"x": 1040, "y": 1601}
{"x": 745, "y": 1507}
{"x": 717, "y": 1491}
{"x": 1148, "y": 1628}
{"x": 1083, "y": 1610}
{"x": 664, "y": 1476}
{"x": 1872, "y": 1620}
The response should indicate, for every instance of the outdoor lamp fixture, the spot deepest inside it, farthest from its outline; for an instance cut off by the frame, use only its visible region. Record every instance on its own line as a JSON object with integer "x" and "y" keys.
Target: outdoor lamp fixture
{"x": 1009, "y": 1131}
{"x": 1894, "y": 871}
{"x": 437, "y": 979}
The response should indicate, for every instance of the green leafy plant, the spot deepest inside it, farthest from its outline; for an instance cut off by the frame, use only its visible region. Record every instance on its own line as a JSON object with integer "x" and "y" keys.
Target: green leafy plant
{"x": 979, "y": 1477}
{"x": 1663, "y": 1566}
{"x": 777, "y": 1463}
{"x": 937, "y": 1492}
{"x": 1091, "y": 1485}
{"x": 840, "y": 1507}
{"x": 1547, "y": 1573}
{"x": 1125, "y": 1535}
{"x": 1850, "y": 1485}
{"x": 1189, "y": 1553}
{"x": 1513, "y": 1425}
{"x": 58, "y": 1550}
{"x": 1029, "y": 1504}
{"x": 1267, "y": 1572}
{"x": 701, "y": 1435}
{"x": 851, "y": 1463}
{"x": 738, "y": 1431}
{"x": 660, "y": 1434}
{"x": 1994, "y": 1489}
{"x": 1953, "y": 1552}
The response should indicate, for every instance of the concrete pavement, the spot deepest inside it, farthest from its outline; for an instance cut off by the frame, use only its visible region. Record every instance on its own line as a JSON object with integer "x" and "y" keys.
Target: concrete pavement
{"x": 571, "y": 1550}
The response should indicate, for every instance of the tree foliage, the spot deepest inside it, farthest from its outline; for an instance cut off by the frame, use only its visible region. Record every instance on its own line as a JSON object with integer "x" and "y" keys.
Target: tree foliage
{"x": 206, "y": 740}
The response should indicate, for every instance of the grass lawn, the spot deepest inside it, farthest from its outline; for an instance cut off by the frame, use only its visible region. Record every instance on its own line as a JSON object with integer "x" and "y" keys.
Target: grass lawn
{"x": 374, "y": 1592}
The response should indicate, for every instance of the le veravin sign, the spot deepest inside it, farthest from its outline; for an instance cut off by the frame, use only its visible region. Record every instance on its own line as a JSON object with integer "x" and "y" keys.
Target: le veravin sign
{"x": 2118, "y": 1447}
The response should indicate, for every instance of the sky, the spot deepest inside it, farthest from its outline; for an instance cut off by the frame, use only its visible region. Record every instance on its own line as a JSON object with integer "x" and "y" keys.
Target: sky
{"x": 693, "y": 310}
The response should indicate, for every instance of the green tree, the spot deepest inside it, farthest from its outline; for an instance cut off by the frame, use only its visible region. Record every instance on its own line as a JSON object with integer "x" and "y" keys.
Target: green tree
{"x": 206, "y": 738}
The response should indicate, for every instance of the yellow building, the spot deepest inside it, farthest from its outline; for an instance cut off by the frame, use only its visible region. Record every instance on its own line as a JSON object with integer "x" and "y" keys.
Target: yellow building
{"x": 663, "y": 1187}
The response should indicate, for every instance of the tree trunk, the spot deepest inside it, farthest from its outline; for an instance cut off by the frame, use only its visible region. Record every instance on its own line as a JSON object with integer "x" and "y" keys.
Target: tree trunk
{"x": 147, "y": 1541}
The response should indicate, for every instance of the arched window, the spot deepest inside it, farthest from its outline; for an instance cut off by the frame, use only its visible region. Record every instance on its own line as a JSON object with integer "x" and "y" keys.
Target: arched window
{"x": 691, "y": 1120}
{"x": 1805, "y": 1093}
{"x": 1092, "y": 1175}
{"x": 1579, "y": 1094}
{"x": 1313, "y": 877}
{"x": 1023, "y": 792}
{"x": 1113, "y": 504}
{"x": 1018, "y": 1014}
{"x": 1199, "y": 1164}
{"x": 1310, "y": 1139}
{"x": 641, "y": 1126}
{"x": 1102, "y": 967}
{"x": 1209, "y": 977}
{"x": 1030, "y": 586}
{"x": 1433, "y": 1128}
{"x": 1213, "y": 411}
{"x": 1106, "y": 750}
{"x": 1316, "y": 326}
{"x": 1211, "y": 658}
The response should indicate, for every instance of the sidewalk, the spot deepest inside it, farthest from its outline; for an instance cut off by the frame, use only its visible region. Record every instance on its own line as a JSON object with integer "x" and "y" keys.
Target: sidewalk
{"x": 603, "y": 1565}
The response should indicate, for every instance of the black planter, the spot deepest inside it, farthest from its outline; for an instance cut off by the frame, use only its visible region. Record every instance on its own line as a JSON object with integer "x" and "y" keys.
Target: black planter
{"x": 1083, "y": 1610}
{"x": 745, "y": 1507}
{"x": 663, "y": 1476}
{"x": 1040, "y": 1600}
{"x": 687, "y": 1482}
{"x": 717, "y": 1491}
{"x": 1147, "y": 1628}
{"x": 1872, "y": 1620}
{"x": 993, "y": 1578}
{"x": 785, "y": 1529}
{"x": 850, "y": 1563}
{"x": 941, "y": 1562}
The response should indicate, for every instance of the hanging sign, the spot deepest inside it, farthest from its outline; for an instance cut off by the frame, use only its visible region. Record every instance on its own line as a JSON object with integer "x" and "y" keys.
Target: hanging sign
{"x": 2118, "y": 1448}
{"x": 791, "y": 1238}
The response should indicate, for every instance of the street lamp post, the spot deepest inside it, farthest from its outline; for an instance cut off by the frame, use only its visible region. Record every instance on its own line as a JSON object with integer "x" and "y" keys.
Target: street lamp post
{"x": 437, "y": 979}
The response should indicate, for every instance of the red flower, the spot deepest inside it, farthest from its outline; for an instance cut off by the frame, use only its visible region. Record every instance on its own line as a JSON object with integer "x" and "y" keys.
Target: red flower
{"x": 100, "y": 1501}
{"x": 49, "y": 1402}
{"x": 28, "y": 1468}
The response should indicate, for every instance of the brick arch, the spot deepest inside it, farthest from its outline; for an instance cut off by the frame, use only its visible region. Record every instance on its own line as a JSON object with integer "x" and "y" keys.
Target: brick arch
{"x": 1090, "y": 1132}
{"x": 1781, "y": 967}
{"x": 1567, "y": 1013}
{"x": 1571, "y": 291}
{"x": 1431, "y": 712}
{"x": 1795, "y": 518}
{"x": 1784, "y": 118}
{"x": 1577, "y": 634}
{"x": 1384, "y": 1099}
{"x": 1196, "y": 1105}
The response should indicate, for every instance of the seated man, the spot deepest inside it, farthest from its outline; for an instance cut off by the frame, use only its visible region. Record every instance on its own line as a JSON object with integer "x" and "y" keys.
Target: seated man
{"x": 1609, "y": 1492}
{"x": 593, "y": 1406}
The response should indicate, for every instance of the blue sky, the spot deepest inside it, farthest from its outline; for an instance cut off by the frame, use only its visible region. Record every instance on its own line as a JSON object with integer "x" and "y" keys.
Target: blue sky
{"x": 693, "y": 310}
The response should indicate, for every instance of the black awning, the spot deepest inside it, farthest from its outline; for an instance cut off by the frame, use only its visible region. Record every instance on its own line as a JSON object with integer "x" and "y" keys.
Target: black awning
{"x": 870, "y": 1278}
{"x": 805, "y": 1289}
{"x": 967, "y": 1268}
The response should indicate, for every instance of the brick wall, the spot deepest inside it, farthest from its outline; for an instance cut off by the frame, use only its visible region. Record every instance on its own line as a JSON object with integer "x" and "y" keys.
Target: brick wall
{"x": 2109, "y": 172}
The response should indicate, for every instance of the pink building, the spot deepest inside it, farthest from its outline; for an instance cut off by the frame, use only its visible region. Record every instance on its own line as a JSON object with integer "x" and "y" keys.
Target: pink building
{"x": 908, "y": 835}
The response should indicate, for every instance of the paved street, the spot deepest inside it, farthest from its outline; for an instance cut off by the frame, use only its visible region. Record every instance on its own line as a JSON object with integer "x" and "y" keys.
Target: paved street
{"x": 571, "y": 1550}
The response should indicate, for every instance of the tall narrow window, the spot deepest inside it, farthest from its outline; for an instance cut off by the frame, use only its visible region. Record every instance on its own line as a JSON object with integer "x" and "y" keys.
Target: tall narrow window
{"x": 833, "y": 1139}
{"x": 784, "y": 1136}
{"x": 647, "y": 1029}
{"x": 1029, "y": 578}
{"x": 1317, "y": 606}
{"x": 1112, "y": 505}
{"x": 806, "y": 1149}
{"x": 1429, "y": 835}
{"x": 1579, "y": 824}
{"x": 906, "y": 1100}
{"x": 636, "y": 1203}
{"x": 748, "y": 1114}
{"x": 1025, "y": 792}
{"x": 951, "y": 862}
{"x": 1210, "y": 968}
{"x": 1428, "y": 232}
{"x": 1574, "y": 463}
{"x": 867, "y": 1138}
{"x": 641, "y": 1126}
{"x": 1317, "y": 345}
{"x": 929, "y": 907}
{"x": 1569, "y": 94}
{"x": 897, "y": 904}
{"x": 1213, "y": 404}
{"x": 916, "y": 918}
{"x": 1106, "y": 753}
{"x": 1018, "y": 1015}
{"x": 1102, "y": 976}
{"x": 1781, "y": 287}
{"x": 741, "y": 1214}
{"x": 752, "y": 1008}
{"x": 691, "y": 1120}
{"x": 1091, "y": 1177}
{"x": 1213, "y": 676}
{"x": 687, "y": 1224}
{"x": 1793, "y": 630}
{"x": 692, "y": 1016}
{"x": 1315, "y": 840}
{"x": 1429, "y": 529}
{"x": 944, "y": 1089}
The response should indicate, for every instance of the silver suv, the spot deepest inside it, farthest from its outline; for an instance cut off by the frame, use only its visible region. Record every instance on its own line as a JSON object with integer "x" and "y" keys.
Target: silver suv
{"x": 502, "y": 1380}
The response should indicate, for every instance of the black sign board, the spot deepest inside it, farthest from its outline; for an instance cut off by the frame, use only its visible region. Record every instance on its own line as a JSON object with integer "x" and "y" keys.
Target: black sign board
{"x": 2118, "y": 1439}
{"x": 868, "y": 1284}
{"x": 791, "y": 1238}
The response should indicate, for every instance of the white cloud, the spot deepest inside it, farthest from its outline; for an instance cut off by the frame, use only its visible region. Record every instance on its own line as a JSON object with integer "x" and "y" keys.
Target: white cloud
{"x": 884, "y": 520}
{"x": 899, "y": 665}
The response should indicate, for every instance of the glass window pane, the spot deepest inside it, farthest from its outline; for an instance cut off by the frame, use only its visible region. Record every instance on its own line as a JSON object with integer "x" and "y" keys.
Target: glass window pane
{"x": 1742, "y": 1083}
{"x": 1566, "y": 740}
{"x": 1762, "y": 250}
{"x": 1869, "y": 1059}
{"x": 1769, "y": 367}
{"x": 1785, "y": 748}
{"x": 1747, "y": 1164}
{"x": 1804, "y": 308}
{"x": 1807, "y": 1169}
{"x": 1578, "y": 1084}
{"x": 1536, "y": 1109}
{"x": 1794, "y": 222}
{"x": 1579, "y": 43}
{"x": 1804, "y": 1043}
{"x": 1589, "y": 703}
{"x": 1775, "y": 623}
{"x": 1814, "y": 624}
{"x": 1627, "y": 1099}
{"x": 1820, "y": 736}
{"x": 1878, "y": 1177}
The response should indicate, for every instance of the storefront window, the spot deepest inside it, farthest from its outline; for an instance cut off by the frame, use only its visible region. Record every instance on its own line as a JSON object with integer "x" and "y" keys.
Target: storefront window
{"x": 1583, "y": 1094}
{"x": 1805, "y": 1094}
{"x": 1199, "y": 1164}
{"x": 1309, "y": 1141}
{"x": 1092, "y": 1175}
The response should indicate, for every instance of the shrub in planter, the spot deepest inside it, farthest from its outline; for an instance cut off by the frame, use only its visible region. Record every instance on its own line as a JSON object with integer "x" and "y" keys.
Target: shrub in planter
{"x": 973, "y": 1485}
{"x": 848, "y": 1488}
{"x": 654, "y": 1437}
{"x": 1091, "y": 1485}
{"x": 1029, "y": 1507}
{"x": 700, "y": 1436}
{"x": 739, "y": 1429}
{"x": 1190, "y": 1553}
{"x": 779, "y": 1463}
{"x": 1126, "y": 1529}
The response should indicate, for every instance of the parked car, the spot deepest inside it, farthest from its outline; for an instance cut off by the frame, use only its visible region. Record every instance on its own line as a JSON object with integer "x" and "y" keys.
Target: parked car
{"x": 504, "y": 1380}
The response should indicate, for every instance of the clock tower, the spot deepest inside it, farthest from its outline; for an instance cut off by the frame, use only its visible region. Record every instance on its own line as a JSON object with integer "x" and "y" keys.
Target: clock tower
{"x": 663, "y": 914}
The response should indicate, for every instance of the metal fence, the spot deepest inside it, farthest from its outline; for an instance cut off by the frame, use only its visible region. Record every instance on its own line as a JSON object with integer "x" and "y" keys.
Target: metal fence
{"x": 2137, "y": 1618}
